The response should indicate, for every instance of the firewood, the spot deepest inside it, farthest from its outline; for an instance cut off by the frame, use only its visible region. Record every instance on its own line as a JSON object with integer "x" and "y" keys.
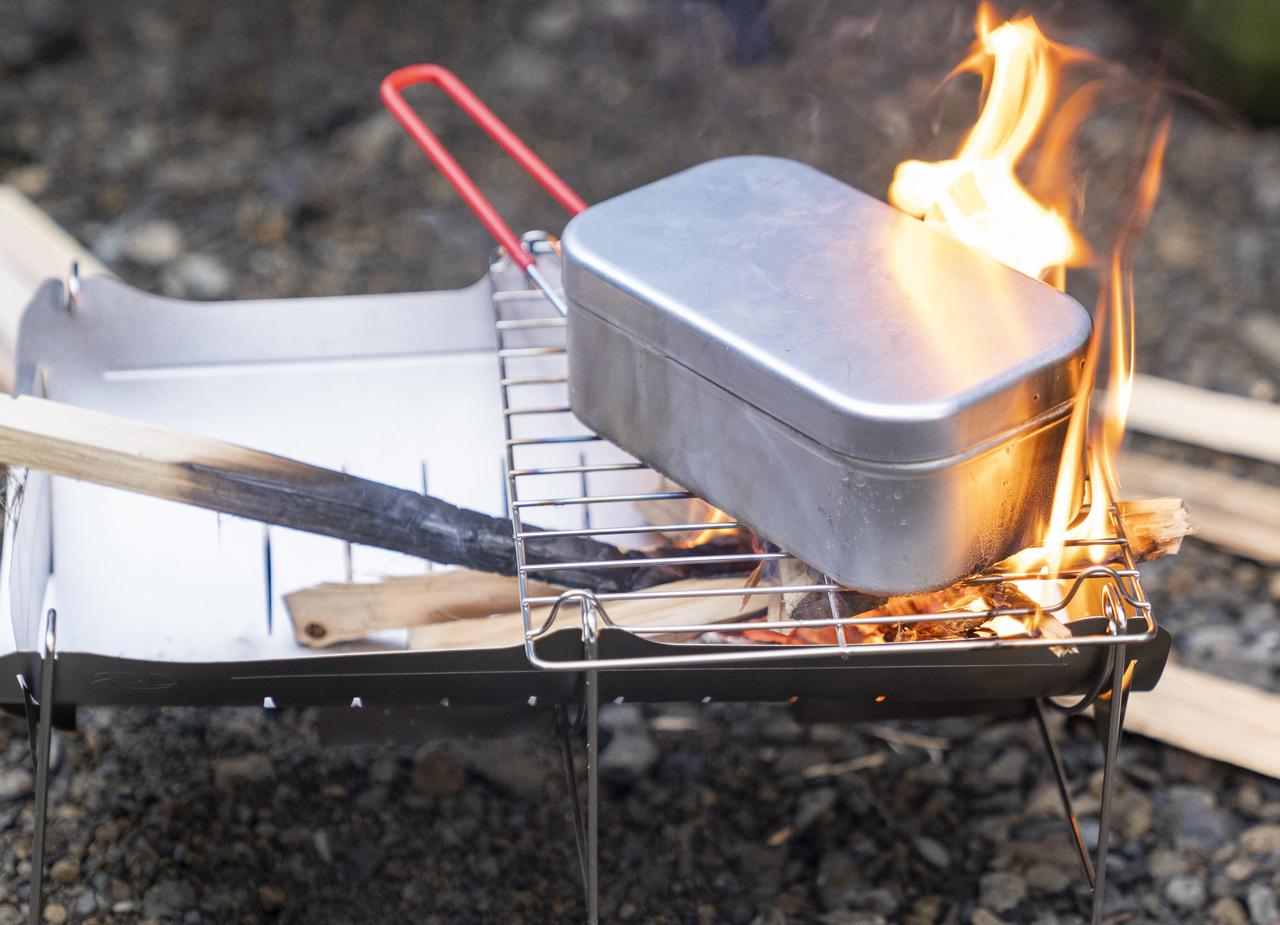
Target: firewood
{"x": 1241, "y": 516}
{"x": 1211, "y": 716}
{"x": 74, "y": 442}
{"x": 1227, "y": 423}
{"x": 508, "y": 629}
{"x": 1155, "y": 527}
{"x": 335, "y": 612}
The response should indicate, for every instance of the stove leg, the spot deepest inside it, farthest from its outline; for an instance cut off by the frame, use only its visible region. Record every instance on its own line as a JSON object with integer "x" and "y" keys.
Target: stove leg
{"x": 1064, "y": 789}
{"x": 43, "y": 750}
{"x": 1109, "y": 709}
{"x": 592, "y": 692}
{"x": 575, "y": 801}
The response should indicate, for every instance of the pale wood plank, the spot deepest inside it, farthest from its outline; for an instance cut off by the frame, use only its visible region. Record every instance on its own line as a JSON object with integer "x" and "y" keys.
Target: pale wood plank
{"x": 1216, "y": 420}
{"x": 1210, "y": 716}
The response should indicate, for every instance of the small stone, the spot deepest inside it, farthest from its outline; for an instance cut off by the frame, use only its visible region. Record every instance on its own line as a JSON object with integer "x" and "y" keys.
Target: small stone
{"x": 1002, "y": 890}
{"x": 629, "y": 754}
{"x": 985, "y": 917}
{"x": 436, "y": 774}
{"x": 65, "y": 871}
{"x": 198, "y": 276}
{"x": 839, "y": 880}
{"x": 168, "y": 899}
{"x": 271, "y": 897}
{"x": 229, "y": 774}
{"x": 15, "y": 783}
{"x": 1048, "y": 878}
{"x": 934, "y": 852}
{"x": 86, "y": 902}
{"x": 1227, "y": 911}
{"x": 1009, "y": 769}
{"x": 811, "y": 805}
{"x": 1262, "y": 839}
{"x": 1195, "y": 818}
{"x": 55, "y": 914}
{"x": 1273, "y": 585}
{"x": 1263, "y": 909}
{"x": 1186, "y": 892}
{"x": 152, "y": 244}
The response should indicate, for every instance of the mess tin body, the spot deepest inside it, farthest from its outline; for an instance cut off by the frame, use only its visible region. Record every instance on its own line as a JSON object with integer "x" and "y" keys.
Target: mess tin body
{"x": 867, "y": 393}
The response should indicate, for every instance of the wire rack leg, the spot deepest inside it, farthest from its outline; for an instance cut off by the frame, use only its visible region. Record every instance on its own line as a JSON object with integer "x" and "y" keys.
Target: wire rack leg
{"x": 1064, "y": 789}
{"x": 592, "y": 694}
{"x": 1109, "y": 710}
{"x": 564, "y": 732}
{"x": 44, "y": 743}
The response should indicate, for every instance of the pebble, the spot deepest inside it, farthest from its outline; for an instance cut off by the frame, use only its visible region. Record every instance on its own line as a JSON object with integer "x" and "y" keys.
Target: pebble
{"x": 1186, "y": 892}
{"x": 1002, "y": 890}
{"x": 86, "y": 902}
{"x": 1009, "y": 769}
{"x": 230, "y": 774}
{"x": 1263, "y": 908}
{"x": 436, "y": 774}
{"x": 271, "y": 897}
{"x": 15, "y": 783}
{"x": 1195, "y": 818}
{"x": 152, "y": 244}
{"x": 1262, "y": 839}
{"x": 1228, "y": 911}
{"x": 65, "y": 871}
{"x": 198, "y": 276}
{"x": 168, "y": 899}
{"x": 839, "y": 880}
{"x": 1049, "y": 878}
{"x": 933, "y": 851}
{"x": 985, "y": 917}
{"x": 629, "y": 754}
{"x": 55, "y": 914}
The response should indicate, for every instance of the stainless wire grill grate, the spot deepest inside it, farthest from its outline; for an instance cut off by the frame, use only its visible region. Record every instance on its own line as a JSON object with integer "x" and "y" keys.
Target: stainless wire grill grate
{"x": 570, "y": 482}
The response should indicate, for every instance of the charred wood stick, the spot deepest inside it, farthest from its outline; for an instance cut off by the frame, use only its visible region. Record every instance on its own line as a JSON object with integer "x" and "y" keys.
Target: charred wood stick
{"x": 120, "y": 453}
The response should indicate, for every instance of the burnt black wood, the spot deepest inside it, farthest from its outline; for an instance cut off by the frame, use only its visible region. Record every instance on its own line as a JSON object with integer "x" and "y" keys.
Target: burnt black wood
{"x": 357, "y": 510}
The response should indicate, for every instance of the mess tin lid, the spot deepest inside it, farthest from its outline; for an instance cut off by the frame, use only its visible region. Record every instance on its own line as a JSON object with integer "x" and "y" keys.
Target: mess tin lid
{"x": 863, "y": 328}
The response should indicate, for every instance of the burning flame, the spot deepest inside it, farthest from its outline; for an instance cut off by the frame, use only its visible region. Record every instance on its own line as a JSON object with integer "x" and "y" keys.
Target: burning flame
{"x": 978, "y": 197}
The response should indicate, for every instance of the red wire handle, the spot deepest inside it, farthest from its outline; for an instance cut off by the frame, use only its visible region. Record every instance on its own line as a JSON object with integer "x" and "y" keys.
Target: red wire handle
{"x": 495, "y": 128}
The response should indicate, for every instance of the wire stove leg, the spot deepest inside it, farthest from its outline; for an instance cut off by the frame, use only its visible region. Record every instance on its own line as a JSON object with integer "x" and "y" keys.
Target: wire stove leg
{"x": 43, "y": 742}
{"x": 565, "y": 731}
{"x": 591, "y": 641}
{"x": 1064, "y": 789}
{"x": 1109, "y": 709}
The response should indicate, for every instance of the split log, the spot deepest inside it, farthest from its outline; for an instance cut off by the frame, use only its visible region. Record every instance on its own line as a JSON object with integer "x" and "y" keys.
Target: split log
{"x": 1216, "y": 420}
{"x": 335, "y": 612}
{"x": 1241, "y": 516}
{"x": 76, "y": 443}
{"x": 1211, "y": 716}
{"x": 1155, "y": 527}
{"x": 508, "y": 629}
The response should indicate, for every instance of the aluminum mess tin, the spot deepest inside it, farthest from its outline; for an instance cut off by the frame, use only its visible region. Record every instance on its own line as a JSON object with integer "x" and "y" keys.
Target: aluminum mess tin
{"x": 864, "y": 391}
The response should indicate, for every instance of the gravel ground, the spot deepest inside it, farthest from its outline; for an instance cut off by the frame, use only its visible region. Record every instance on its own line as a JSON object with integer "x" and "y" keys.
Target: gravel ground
{"x": 237, "y": 149}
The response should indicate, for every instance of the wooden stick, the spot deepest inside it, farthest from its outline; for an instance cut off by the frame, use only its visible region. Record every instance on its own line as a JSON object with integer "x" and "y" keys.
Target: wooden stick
{"x": 336, "y": 612}
{"x": 77, "y": 443}
{"x": 508, "y": 629}
{"x": 1241, "y": 516}
{"x": 1228, "y": 423}
{"x": 1155, "y": 527}
{"x": 1211, "y": 716}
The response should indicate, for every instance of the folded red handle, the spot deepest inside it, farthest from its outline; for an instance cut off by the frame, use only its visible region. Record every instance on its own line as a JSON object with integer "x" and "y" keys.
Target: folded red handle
{"x": 495, "y": 128}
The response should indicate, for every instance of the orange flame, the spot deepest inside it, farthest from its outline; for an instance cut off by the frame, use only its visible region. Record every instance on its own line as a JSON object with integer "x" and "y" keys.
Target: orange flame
{"x": 978, "y": 197}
